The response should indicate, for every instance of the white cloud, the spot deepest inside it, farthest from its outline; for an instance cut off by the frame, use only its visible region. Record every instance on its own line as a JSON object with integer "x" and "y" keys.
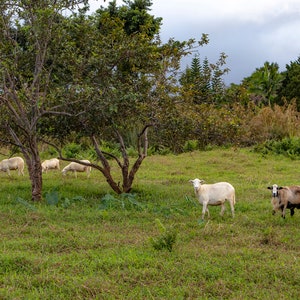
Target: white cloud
{"x": 256, "y": 11}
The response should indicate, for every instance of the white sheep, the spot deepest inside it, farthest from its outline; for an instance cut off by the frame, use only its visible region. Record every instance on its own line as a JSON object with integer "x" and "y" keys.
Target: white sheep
{"x": 214, "y": 194}
{"x": 50, "y": 164}
{"x": 14, "y": 163}
{"x": 76, "y": 167}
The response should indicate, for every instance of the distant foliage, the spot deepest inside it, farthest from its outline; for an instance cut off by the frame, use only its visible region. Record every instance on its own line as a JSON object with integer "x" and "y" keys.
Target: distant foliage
{"x": 198, "y": 126}
{"x": 290, "y": 85}
{"x": 190, "y": 145}
{"x": 264, "y": 83}
{"x": 288, "y": 146}
{"x": 203, "y": 81}
{"x": 274, "y": 123}
{"x": 72, "y": 150}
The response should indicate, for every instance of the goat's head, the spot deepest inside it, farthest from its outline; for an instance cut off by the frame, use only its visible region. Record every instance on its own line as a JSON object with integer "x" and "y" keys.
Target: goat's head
{"x": 275, "y": 188}
{"x": 196, "y": 182}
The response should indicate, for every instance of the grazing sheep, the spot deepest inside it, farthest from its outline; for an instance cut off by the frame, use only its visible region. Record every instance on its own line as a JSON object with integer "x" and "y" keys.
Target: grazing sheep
{"x": 14, "y": 163}
{"x": 214, "y": 194}
{"x": 285, "y": 197}
{"x": 76, "y": 167}
{"x": 50, "y": 164}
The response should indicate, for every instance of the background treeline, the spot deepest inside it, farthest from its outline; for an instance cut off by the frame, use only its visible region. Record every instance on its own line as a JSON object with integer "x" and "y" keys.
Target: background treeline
{"x": 264, "y": 107}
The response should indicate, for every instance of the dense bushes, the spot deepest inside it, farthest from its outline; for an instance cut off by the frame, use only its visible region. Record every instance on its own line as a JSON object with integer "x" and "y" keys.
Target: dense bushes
{"x": 275, "y": 123}
{"x": 288, "y": 146}
{"x": 229, "y": 125}
{"x": 276, "y": 129}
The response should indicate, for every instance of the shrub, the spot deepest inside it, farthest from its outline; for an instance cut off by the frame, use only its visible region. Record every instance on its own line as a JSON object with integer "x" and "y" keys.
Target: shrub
{"x": 288, "y": 146}
{"x": 159, "y": 149}
{"x": 72, "y": 150}
{"x": 53, "y": 198}
{"x": 123, "y": 201}
{"x": 111, "y": 148}
{"x": 190, "y": 145}
{"x": 166, "y": 239}
{"x": 274, "y": 123}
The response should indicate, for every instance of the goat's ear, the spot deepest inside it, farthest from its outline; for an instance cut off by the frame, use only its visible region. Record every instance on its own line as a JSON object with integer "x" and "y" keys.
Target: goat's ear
{"x": 202, "y": 181}
{"x": 269, "y": 188}
{"x": 280, "y": 188}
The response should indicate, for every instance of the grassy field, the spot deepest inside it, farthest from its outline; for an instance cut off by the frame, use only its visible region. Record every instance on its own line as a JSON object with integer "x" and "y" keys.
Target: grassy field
{"x": 84, "y": 242}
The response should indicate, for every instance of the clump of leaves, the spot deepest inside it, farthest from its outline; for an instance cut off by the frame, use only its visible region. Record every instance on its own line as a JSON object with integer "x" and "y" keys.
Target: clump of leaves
{"x": 72, "y": 150}
{"x": 124, "y": 201}
{"x": 289, "y": 146}
{"x": 53, "y": 198}
{"x": 190, "y": 145}
{"x": 166, "y": 239}
{"x": 26, "y": 204}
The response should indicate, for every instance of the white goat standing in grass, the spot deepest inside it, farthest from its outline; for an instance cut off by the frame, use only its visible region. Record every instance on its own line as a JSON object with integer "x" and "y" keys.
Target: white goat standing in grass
{"x": 77, "y": 167}
{"x": 214, "y": 194}
{"x": 50, "y": 164}
{"x": 14, "y": 163}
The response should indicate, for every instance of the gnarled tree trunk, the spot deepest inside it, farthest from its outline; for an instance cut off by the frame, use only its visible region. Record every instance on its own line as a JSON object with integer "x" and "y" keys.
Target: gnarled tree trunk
{"x": 35, "y": 175}
{"x": 29, "y": 149}
{"x": 33, "y": 162}
{"x": 128, "y": 174}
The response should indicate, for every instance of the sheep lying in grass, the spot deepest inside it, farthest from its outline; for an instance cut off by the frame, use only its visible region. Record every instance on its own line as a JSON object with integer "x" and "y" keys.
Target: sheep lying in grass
{"x": 76, "y": 167}
{"x": 285, "y": 197}
{"x": 14, "y": 163}
{"x": 214, "y": 194}
{"x": 50, "y": 164}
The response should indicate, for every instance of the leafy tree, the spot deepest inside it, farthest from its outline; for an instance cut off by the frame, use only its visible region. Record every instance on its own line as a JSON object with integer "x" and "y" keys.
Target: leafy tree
{"x": 237, "y": 93}
{"x": 31, "y": 36}
{"x": 291, "y": 83}
{"x": 128, "y": 79}
{"x": 217, "y": 83}
{"x": 265, "y": 82}
{"x": 203, "y": 82}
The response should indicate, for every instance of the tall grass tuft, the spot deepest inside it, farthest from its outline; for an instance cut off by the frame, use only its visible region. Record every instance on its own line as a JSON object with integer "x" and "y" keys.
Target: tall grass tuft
{"x": 166, "y": 239}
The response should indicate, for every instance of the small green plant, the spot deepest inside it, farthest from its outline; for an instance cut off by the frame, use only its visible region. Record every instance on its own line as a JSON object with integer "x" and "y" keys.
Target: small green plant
{"x": 25, "y": 204}
{"x": 166, "y": 239}
{"x": 159, "y": 149}
{"x": 132, "y": 152}
{"x": 190, "y": 145}
{"x": 53, "y": 198}
{"x": 124, "y": 201}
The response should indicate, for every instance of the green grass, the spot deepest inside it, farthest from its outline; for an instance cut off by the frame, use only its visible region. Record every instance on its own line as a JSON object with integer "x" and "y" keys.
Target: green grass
{"x": 93, "y": 244}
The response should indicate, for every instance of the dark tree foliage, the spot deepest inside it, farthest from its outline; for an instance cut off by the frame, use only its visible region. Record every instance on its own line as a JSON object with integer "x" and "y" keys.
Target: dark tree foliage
{"x": 204, "y": 82}
{"x": 264, "y": 83}
{"x": 291, "y": 83}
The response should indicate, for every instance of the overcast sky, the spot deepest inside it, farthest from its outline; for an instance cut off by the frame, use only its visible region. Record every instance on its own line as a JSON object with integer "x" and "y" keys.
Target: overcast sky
{"x": 250, "y": 32}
